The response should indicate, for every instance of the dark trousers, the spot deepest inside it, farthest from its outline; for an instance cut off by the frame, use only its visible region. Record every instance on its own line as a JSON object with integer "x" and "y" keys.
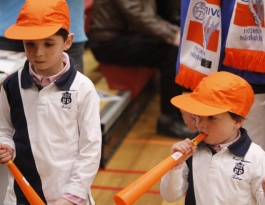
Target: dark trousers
{"x": 11, "y": 45}
{"x": 76, "y": 51}
{"x": 134, "y": 50}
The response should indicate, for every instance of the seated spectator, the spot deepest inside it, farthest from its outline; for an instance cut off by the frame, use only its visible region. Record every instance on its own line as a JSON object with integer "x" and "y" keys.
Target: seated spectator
{"x": 131, "y": 33}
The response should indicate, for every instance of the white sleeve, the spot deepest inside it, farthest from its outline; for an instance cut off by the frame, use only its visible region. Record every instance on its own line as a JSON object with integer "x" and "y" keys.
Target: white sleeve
{"x": 256, "y": 183}
{"x": 174, "y": 184}
{"x": 90, "y": 139}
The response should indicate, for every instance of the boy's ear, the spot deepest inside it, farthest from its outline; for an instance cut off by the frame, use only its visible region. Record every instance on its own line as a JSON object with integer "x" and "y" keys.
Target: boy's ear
{"x": 239, "y": 123}
{"x": 69, "y": 41}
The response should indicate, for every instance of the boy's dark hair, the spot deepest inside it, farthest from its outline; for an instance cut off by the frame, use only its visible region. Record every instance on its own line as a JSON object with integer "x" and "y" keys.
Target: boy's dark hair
{"x": 236, "y": 117}
{"x": 62, "y": 32}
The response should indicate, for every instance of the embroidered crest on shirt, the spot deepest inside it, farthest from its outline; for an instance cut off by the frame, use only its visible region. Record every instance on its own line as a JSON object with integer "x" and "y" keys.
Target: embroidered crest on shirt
{"x": 239, "y": 169}
{"x": 66, "y": 100}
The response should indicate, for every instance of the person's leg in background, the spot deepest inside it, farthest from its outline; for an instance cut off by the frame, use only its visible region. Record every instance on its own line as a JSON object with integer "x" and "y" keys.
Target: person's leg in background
{"x": 76, "y": 51}
{"x": 170, "y": 121}
{"x": 139, "y": 51}
{"x": 11, "y": 45}
{"x": 78, "y": 18}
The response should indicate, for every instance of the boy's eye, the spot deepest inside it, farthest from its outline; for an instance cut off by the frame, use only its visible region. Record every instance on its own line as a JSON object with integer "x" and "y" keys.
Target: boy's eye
{"x": 211, "y": 118}
{"x": 29, "y": 44}
{"x": 49, "y": 44}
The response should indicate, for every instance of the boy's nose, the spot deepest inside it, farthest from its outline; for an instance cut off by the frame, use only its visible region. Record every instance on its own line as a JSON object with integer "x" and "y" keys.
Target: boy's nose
{"x": 200, "y": 121}
{"x": 38, "y": 51}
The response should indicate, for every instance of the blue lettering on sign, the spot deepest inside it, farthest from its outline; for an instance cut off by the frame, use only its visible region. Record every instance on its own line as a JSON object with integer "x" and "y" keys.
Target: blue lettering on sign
{"x": 213, "y": 11}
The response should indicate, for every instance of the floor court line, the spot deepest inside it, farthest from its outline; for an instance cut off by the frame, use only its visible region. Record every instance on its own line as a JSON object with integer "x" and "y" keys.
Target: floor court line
{"x": 150, "y": 141}
{"x": 122, "y": 171}
{"x": 110, "y": 188}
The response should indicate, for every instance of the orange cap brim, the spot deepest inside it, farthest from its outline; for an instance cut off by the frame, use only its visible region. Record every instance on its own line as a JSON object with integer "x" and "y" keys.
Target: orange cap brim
{"x": 31, "y": 33}
{"x": 187, "y": 103}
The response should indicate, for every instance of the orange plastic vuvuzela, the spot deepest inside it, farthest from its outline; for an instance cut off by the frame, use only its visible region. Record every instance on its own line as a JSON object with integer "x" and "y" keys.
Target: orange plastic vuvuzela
{"x": 26, "y": 188}
{"x": 136, "y": 189}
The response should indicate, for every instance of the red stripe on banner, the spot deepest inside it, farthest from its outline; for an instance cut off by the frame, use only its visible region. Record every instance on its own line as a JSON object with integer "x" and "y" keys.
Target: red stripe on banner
{"x": 213, "y": 41}
{"x": 195, "y": 33}
{"x": 215, "y": 2}
{"x": 243, "y": 16}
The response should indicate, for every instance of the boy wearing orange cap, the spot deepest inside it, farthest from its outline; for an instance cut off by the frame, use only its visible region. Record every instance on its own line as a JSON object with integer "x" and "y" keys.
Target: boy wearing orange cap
{"x": 49, "y": 112}
{"x": 227, "y": 167}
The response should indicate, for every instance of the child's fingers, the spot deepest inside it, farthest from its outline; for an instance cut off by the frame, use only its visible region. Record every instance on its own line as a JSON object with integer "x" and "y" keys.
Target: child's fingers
{"x": 5, "y": 156}
{"x": 4, "y": 147}
{"x": 184, "y": 147}
{"x": 6, "y": 153}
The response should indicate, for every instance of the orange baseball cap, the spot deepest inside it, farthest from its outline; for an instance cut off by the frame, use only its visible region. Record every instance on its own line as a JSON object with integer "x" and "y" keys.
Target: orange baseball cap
{"x": 217, "y": 93}
{"x": 40, "y": 19}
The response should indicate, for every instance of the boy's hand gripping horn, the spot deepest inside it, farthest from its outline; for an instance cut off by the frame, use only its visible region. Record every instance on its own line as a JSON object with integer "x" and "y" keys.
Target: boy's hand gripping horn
{"x": 136, "y": 189}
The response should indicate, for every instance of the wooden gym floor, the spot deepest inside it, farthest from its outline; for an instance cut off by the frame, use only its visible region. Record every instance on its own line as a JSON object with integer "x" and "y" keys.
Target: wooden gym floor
{"x": 141, "y": 150}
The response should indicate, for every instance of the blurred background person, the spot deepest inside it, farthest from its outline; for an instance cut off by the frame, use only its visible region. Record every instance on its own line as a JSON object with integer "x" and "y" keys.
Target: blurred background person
{"x": 134, "y": 33}
{"x": 77, "y": 15}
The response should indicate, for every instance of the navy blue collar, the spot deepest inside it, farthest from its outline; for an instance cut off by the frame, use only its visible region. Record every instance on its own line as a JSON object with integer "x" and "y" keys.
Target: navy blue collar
{"x": 240, "y": 147}
{"x": 64, "y": 83}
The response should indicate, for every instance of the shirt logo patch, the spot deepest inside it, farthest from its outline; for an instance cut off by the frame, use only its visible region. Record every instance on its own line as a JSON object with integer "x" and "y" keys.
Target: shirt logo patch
{"x": 66, "y": 100}
{"x": 239, "y": 169}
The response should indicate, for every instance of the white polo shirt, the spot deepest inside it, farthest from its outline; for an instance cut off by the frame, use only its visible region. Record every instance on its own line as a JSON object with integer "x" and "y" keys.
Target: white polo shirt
{"x": 55, "y": 132}
{"x": 232, "y": 176}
